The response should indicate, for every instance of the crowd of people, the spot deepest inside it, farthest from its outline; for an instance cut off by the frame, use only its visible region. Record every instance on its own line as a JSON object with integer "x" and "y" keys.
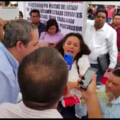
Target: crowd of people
{"x": 34, "y": 77}
{"x": 111, "y": 10}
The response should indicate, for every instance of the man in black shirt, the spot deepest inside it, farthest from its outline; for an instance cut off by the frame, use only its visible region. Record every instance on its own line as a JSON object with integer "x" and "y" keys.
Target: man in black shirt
{"x": 35, "y": 19}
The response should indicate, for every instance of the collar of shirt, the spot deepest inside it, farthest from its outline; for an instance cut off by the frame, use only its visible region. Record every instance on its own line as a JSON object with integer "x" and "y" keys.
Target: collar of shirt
{"x": 14, "y": 63}
{"x": 103, "y": 28}
{"x": 38, "y": 25}
{"x": 50, "y": 113}
{"x": 116, "y": 101}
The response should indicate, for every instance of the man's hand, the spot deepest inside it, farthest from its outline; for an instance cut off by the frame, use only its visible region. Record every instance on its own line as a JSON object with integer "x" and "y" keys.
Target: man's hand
{"x": 91, "y": 90}
{"x": 109, "y": 70}
{"x": 93, "y": 106}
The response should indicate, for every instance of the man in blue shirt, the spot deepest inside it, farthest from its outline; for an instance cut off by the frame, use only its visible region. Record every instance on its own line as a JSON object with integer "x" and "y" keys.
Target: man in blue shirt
{"x": 106, "y": 103}
{"x": 35, "y": 19}
{"x": 20, "y": 39}
{"x": 109, "y": 96}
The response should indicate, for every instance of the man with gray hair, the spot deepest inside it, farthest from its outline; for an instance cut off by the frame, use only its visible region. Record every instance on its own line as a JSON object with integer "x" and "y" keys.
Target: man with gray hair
{"x": 20, "y": 39}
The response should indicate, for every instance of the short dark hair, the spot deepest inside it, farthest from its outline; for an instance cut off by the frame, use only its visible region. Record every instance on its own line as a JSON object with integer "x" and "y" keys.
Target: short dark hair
{"x": 84, "y": 48}
{"x": 42, "y": 77}
{"x": 21, "y": 14}
{"x": 34, "y": 11}
{"x": 116, "y": 72}
{"x": 50, "y": 23}
{"x": 103, "y": 11}
{"x": 116, "y": 15}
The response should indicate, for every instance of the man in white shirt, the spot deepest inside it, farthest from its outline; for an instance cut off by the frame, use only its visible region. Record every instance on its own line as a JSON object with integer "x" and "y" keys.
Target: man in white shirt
{"x": 42, "y": 77}
{"x": 101, "y": 39}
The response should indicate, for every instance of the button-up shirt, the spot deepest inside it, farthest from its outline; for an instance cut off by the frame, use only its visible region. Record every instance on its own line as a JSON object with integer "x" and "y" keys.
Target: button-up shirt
{"x": 21, "y": 111}
{"x": 109, "y": 111}
{"x": 9, "y": 87}
{"x": 101, "y": 42}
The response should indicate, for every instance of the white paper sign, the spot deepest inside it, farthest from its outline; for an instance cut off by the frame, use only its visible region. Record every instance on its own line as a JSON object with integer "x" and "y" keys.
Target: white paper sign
{"x": 70, "y": 15}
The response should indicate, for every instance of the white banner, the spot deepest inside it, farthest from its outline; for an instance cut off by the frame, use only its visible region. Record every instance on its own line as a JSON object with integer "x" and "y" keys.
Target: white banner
{"x": 70, "y": 15}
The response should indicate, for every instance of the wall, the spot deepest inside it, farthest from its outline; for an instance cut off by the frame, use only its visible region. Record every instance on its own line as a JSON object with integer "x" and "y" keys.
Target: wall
{"x": 21, "y": 5}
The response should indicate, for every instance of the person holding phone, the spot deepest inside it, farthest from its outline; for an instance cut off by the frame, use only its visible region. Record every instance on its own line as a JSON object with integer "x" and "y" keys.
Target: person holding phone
{"x": 106, "y": 99}
{"x": 52, "y": 35}
{"x": 91, "y": 99}
{"x": 73, "y": 44}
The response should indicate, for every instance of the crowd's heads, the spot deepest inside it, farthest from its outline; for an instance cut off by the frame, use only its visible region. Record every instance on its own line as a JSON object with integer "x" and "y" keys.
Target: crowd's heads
{"x": 100, "y": 18}
{"x": 113, "y": 83}
{"x": 20, "y": 15}
{"x": 52, "y": 26}
{"x": 42, "y": 77}
{"x": 22, "y": 36}
{"x": 73, "y": 44}
{"x": 35, "y": 16}
{"x": 116, "y": 19}
{"x": 90, "y": 11}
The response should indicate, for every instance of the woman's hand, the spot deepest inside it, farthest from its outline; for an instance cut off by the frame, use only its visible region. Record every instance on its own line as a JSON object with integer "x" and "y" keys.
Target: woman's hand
{"x": 73, "y": 85}
{"x": 81, "y": 77}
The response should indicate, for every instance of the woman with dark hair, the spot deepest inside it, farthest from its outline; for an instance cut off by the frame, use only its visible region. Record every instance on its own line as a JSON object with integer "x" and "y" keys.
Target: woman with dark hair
{"x": 52, "y": 35}
{"x": 73, "y": 44}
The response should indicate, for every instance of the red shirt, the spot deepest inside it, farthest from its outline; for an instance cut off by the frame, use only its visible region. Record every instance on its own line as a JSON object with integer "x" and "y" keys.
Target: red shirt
{"x": 118, "y": 35}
